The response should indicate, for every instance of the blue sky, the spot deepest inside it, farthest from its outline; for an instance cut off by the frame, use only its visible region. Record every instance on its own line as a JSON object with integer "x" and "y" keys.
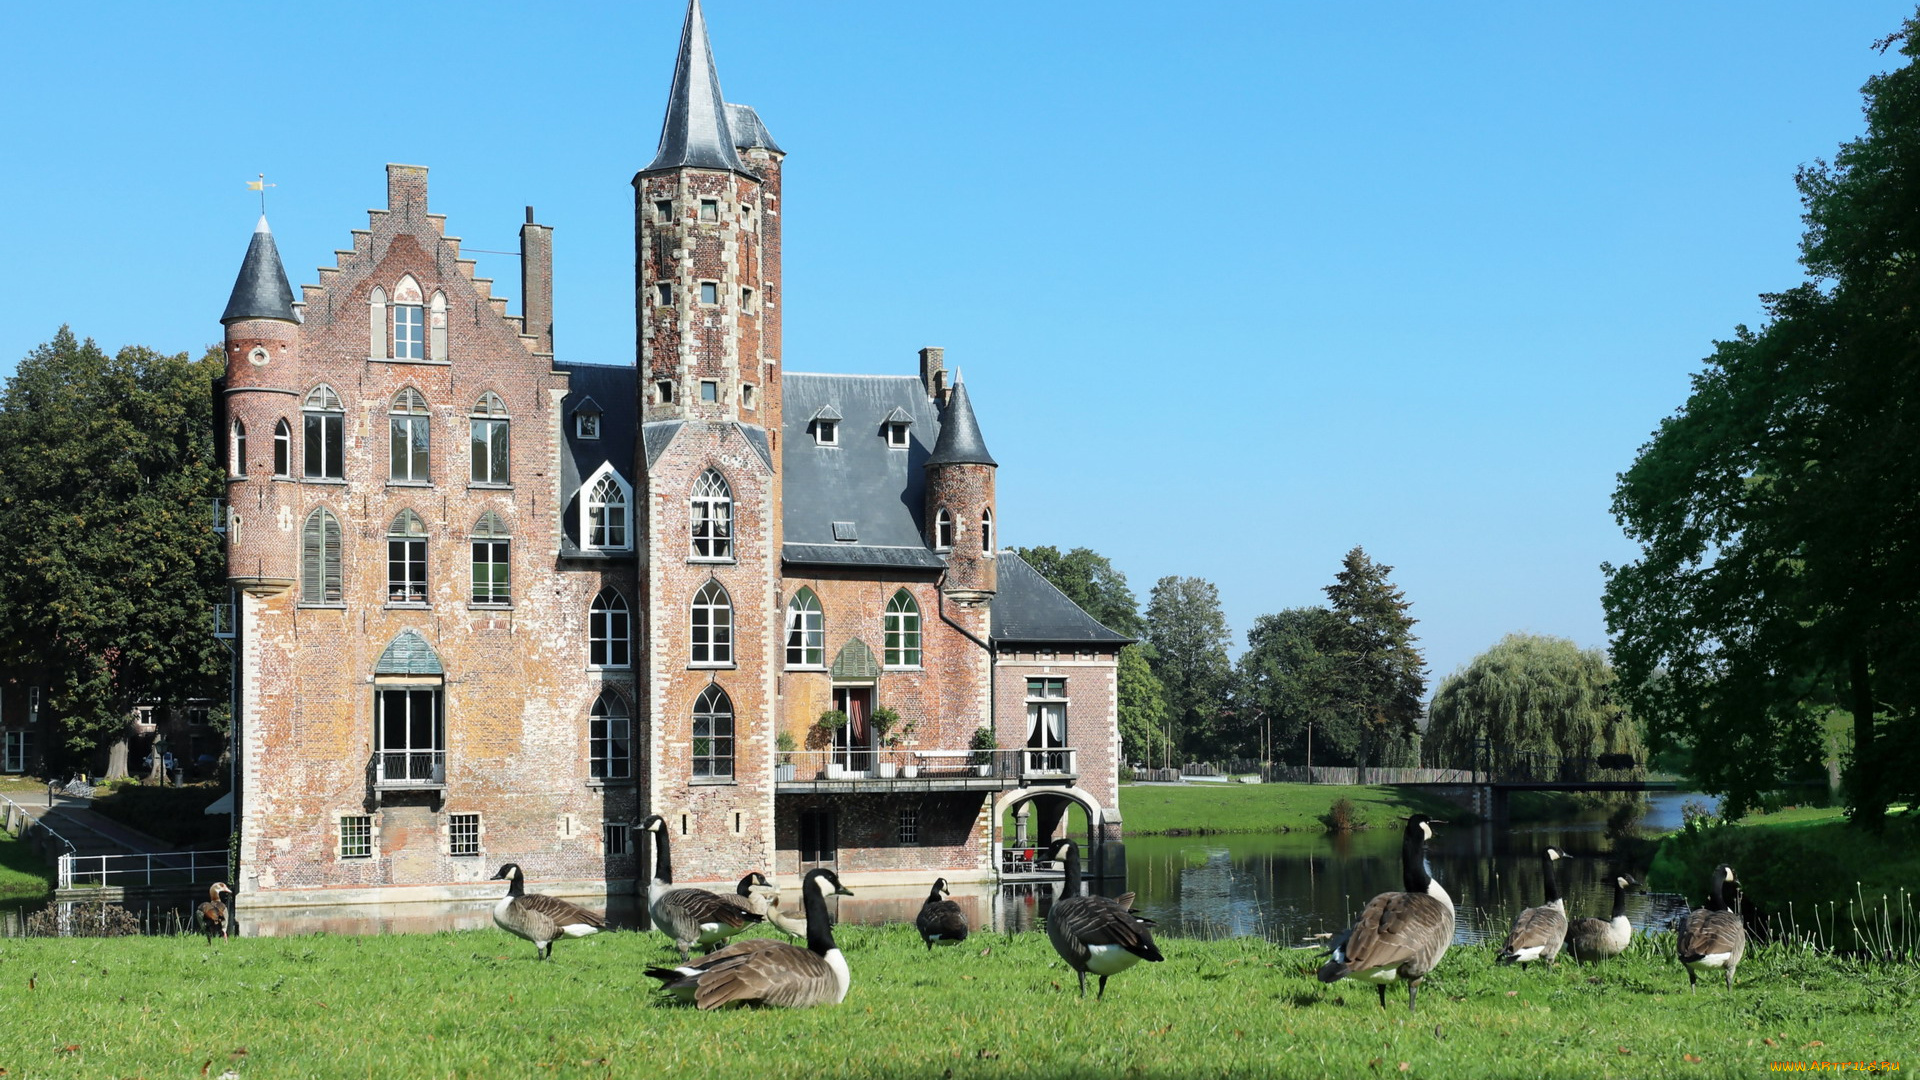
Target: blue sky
{"x": 1234, "y": 285}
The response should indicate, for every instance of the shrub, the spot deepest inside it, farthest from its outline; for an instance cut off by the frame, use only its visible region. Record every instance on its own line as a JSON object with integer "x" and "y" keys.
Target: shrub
{"x": 99, "y": 919}
{"x": 1340, "y": 816}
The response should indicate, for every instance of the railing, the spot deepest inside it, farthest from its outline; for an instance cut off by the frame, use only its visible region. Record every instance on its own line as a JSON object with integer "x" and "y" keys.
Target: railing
{"x": 36, "y": 833}
{"x": 903, "y": 763}
{"x": 223, "y": 621}
{"x": 410, "y": 768}
{"x": 123, "y": 871}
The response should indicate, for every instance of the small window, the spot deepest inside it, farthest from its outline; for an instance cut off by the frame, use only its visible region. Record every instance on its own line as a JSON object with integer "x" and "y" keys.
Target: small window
{"x": 437, "y": 327}
{"x": 409, "y": 332}
{"x": 492, "y": 573}
{"x": 463, "y": 834}
{"x": 902, "y": 631}
{"x": 609, "y": 631}
{"x": 713, "y": 734}
{"x": 909, "y": 826}
{"x": 746, "y": 300}
{"x": 237, "y": 450}
{"x": 746, "y": 396}
{"x": 986, "y": 533}
{"x": 663, "y": 294}
{"x": 282, "y": 449}
{"x": 897, "y": 435}
{"x": 356, "y": 836}
{"x": 709, "y": 209}
{"x": 712, "y": 517}
{"x": 663, "y": 210}
{"x": 587, "y": 425}
{"x": 408, "y": 425}
{"x": 712, "y": 626}
{"x": 377, "y": 322}
{"x": 616, "y": 838}
{"x": 710, "y": 292}
{"x": 943, "y": 530}
{"x": 610, "y": 739}
{"x": 664, "y": 388}
{"x": 709, "y": 390}
{"x": 806, "y": 630}
{"x": 33, "y": 704}
{"x": 407, "y": 559}
{"x": 325, "y": 435}
{"x": 490, "y": 440}
{"x": 196, "y": 716}
{"x": 826, "y": 432}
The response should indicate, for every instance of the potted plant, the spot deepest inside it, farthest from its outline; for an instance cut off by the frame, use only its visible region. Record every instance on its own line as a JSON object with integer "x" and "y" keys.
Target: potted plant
{"x": 786, "y": 744}
{"x": 983, "y": 746}
{"x": 888, "y": 730}
{"x": 830, "y": 723}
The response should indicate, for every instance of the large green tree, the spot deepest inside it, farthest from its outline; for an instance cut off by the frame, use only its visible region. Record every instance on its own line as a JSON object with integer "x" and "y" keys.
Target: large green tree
{"x": 109, "y": 566}
{"x": 1778, "y": 512}
{"x": 1290, "y": 676}
{"x": 1383, "y": 672}
{"x": 1188, "y": 634}
{"x": 1536, "y": 696}
{"x": 1143, "y": 709}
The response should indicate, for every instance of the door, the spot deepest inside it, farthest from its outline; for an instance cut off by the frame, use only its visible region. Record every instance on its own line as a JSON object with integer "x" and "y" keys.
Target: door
{"x": 853, "y": 744}
{"x": 1046, "y": 725}
{"x": 819, "y": 841}
{"x": 19, "y": 750}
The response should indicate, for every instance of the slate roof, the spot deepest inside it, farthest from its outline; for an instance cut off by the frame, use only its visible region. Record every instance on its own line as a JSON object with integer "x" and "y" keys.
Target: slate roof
{"x": 695, "y": 133}
{"x": 960, "y": 442}
{"x": 603, "y": 386}
{"x": 1029, "y": 610}
{"x": 749, "y": 131}
{"x": 881, "y": 490}
{"x": 261, "y": 291}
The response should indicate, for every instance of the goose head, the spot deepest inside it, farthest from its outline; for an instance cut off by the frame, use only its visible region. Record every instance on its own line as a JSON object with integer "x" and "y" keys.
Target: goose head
{"x": 826, "y": 883}
{"x": 940, "y": 886}
{"x": 755, "y": 880}
{"x": 1554, "y": 853}
{"x": 1061, "y": 848}
{"x": 1422, "y": 826}
{"x": 653, "y": 823}
{"x": 1626, "y": 881}
{"x": 508, "y": 872}
{"x": 1724, "y": 873}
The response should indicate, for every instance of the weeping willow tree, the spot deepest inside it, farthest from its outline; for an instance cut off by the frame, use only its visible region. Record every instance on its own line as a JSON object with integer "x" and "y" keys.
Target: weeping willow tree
{"x": 1532, "y": 695}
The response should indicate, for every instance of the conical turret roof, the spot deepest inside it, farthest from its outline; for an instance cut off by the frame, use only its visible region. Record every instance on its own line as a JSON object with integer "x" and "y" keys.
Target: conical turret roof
{"x": 695, "y": 134}
{"x": 261, "y": 290}
{"x": 960, "y": 442}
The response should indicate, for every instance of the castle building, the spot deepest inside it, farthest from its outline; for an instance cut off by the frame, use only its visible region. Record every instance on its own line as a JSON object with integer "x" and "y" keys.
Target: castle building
{"x": 497, "y": 605}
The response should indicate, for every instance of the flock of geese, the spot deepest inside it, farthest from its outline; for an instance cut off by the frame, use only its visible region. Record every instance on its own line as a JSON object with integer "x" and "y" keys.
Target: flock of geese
{"x": 1399, "y": 936}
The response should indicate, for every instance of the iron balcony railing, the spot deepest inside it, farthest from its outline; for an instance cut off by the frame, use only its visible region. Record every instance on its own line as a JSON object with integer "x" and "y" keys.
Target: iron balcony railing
{"x": 903, "y": 763}
{"x": 410, "y": 768}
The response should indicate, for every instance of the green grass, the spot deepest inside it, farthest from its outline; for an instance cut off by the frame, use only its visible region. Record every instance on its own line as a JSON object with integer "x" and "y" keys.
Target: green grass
{"x": 23, "y": 876}
{"x": 1247, "y": 808}
{"x": 476, "y": 1004}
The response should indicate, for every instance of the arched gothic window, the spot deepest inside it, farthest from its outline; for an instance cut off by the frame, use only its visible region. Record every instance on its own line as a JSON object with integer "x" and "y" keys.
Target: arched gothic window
{"x": 409, "y": 321}
{"x": 713, "y": 733}
{"x": 488, "y": 423}
{"x": 320, "y": 559}
{"x": 943, "y": 530}
{"x": 712, "y": 625}
{"x": 712, "y": 516}
{"x": 492, "y": 575}
{"x": 806, "y": 630}
{"x": 377, "y": 323}
{"x": 604, "y": 510}
{"x": 437, "y": 327}
{"x": 408, "y": 424}
{"x": 282, "y": 449}
{"x": 325, "y": 437}
{"x": 407, "y": 559}
{"x": 986, "y": 532}
{"x": 610, "y": 739}
{"x": 902, "y": 631}
{"x": 609, "y": 631}
{"x": 237, "y": 449}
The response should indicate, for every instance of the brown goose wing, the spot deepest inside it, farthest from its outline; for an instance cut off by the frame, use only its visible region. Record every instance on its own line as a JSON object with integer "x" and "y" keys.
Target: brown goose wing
{"x": 1095, "y": 920}
{"x": 1712, "y": 932}
{"x": 1394, "y": 929}
{"x": 942, "y": 919}
{"x": 705, "y": 907}
{"x": 781, "y": 975}
{"x": 562, "y": 912}
{"x": 744, "y": 947}
{"x": 1537, "y": 926}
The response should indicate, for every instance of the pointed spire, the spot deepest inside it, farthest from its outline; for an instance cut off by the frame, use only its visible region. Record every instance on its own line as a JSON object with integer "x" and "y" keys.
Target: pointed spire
{"x": 960, "y": 442}
{"x": 261, "y": 290}
{"x": 695, "y": 134}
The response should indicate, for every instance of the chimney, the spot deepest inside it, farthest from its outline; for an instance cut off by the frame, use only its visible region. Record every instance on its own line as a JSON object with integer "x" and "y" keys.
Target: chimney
{"x": 933, "y": 370}
{"x": 407, "y": 192}
{"x": 536, "y": 283}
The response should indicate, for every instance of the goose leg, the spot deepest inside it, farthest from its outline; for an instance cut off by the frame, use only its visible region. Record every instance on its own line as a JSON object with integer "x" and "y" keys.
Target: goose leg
{"x": 1413, "y": 987}
{"x": 1730, "y": 976}
{"x": 1693, "y": 981}
{"x": 1083, "y": 984}
{"x": 1101, "y": 996}
{"x": 1382, "y": 987}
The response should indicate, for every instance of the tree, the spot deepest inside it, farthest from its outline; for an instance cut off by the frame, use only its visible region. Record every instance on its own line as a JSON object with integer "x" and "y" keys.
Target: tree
{"x": 1290, "y": 674}
{"x": 1143, "y": 708}
{"x": 1775, "y": 511}
{"x": 1384, "y": 675}
{"x": 109, "y": 567}
{"x": 1536, "y": 695}
{"x": 1188, "y": 635}
{"x": 1091, "y": 581}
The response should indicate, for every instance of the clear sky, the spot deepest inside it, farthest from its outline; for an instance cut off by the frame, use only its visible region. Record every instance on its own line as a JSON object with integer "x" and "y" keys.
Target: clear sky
{"x": 1235, "y": 285}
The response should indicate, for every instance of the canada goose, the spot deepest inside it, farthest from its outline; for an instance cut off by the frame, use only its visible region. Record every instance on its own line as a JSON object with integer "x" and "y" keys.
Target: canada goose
{"x": 540, "y": 919}
{"x": 941, "y": 922}
{"x": 1538, "y": 932}
{"x": 212, "y": 914}
{"x": 692, "y": 916}
{"x": 1597, "y": 939}
{"x": 1399, "y": 935}
{"x": 1713, "y": 936}
{"x": 1093, "y": 933}
{"x": 761, "y": 971}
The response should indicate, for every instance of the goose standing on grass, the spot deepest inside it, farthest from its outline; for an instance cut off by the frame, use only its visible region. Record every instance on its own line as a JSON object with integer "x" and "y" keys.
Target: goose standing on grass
{"x": 762, "y": 971}
{"x": 1399, "y": 935}
{"x": 1093, "y": 933}
{"x": 213, "y": 914}
{"x": 1538, "y": 932}
{"x": 1713, "y": 936}
{"x": 1597, "y": 939}
{"x": 941, "y": 922}
{"x": 691, "y": 916}
{"x": 540, "y": 919}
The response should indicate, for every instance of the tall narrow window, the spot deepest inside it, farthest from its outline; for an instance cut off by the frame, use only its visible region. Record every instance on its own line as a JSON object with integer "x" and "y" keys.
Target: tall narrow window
{"x": 377, "y": 322}
{"x": 609, "y": 739}
{"x": 408, "y": 423}
{"x": 712, "y": 517}
{"x": 712, "y": 626}
{"x": 491, "y": 575}
{"x": 437, "y": 327}
{"x": 282, "y": 449}
{"x": 407, "y": 559}
{"x": 986, "y": 532}
{"x": 605, "y": 507}
{"x": 320, "y": 559}
{"x": 1046, "y": 725}
{"x": 943, "y": 530}
{"x": 409, "y": 321}
{"x": 237, "y": 450}
{"x": 609, "y": 631}
{"x": 325, "y": 434}
{"x": 902, "y": 631}
{"x": 713, "y": 734}
{"x": 488, "y": 423}
{"x": 806, "y": 630}
{"x": 412, "y": 736}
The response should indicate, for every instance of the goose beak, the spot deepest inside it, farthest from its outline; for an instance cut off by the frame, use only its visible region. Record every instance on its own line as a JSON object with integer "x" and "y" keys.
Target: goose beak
{"x": 842, "y": 891}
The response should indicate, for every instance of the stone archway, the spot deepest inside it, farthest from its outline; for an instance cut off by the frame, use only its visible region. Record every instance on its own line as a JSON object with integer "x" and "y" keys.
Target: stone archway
{"x": 1050, "y": 810}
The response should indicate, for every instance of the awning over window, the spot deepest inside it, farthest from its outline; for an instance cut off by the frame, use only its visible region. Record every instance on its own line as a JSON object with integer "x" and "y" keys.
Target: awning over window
{"x": 409, "y": 654}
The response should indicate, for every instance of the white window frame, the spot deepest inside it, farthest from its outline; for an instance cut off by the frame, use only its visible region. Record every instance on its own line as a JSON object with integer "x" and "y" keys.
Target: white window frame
{"x": 986, "y": 533}
{"x": 710, "y": 518}
{"x": 714, "y": 707}
{"x": 902, "y": 623}
{"x": 897, "y": 438}
{"x": 492, "y": 539}
{"x": 710, "y": 627}
{"x": 490, "y": 442}
{"x": 407, "y": 554}
{"x": 610, "y": 750}
{"x": 323, "y": 412}
{"x": 282, "y": 449}
{"x": 475, "y": 828}
{"x": 237, "y": 448}
{"x": 943, "y": 530}
{"x": 610, "y": 631}
{"x": 806, "y": 632}
{"x": 372, "y": 836}
{"x": 591, "y": 499}
{"x": 19, "y": 750}
{"x": 826, "y": 432}
{"x": 409, "y": 438}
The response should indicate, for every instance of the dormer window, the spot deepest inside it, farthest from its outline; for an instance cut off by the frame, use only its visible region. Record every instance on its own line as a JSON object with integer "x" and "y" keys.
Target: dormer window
{"x": 826, "y": 432}
{"x": 897, "y": 435}
{"x": 587, "y": 425}
{"x": 604, "y": 502}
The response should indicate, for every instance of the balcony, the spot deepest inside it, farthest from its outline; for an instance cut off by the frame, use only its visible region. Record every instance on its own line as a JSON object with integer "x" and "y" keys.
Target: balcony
{"x": 876, "y": 771}
{"x": 409, "y": 770}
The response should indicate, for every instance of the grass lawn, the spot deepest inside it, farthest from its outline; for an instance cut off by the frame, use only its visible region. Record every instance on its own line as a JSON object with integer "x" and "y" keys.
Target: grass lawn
{"x": 1246, "y": 808}
{"x": 22, "y": 875}
{"x": 477, "y": 1004}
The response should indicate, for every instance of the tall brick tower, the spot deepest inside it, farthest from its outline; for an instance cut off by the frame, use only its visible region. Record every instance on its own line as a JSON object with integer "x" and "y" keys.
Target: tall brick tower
{"x": 263, "y": 369}
{"x": 960, "y": 508}
{"x": 707, "y": 292}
